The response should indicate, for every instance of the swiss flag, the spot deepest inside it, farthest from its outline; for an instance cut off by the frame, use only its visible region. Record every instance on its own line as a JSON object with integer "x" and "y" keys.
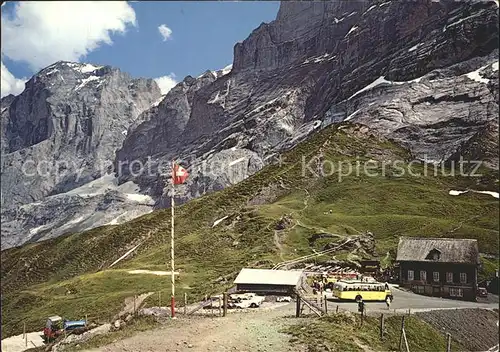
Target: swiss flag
{"x": 179, "y": 174}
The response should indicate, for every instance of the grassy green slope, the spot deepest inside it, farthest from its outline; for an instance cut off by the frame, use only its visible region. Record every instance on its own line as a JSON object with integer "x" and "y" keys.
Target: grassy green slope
{"x": 69, "y": 275}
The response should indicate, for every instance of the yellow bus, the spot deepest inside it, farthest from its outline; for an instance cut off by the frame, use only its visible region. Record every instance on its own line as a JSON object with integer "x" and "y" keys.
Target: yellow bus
{"x": 355, "y": 290}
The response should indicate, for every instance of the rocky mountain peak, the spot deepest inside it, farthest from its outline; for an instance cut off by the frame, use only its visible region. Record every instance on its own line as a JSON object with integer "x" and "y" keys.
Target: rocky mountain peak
{"x": 73, "y": 114}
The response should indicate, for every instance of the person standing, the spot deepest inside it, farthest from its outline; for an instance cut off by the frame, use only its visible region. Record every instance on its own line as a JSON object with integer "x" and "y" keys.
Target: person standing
{"x": 361, "y": 306}
{"x": 388, "y": 302}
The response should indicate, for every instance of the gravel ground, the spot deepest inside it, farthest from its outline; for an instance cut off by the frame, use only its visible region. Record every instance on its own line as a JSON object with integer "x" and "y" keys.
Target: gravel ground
{"x": 255, "y": 331}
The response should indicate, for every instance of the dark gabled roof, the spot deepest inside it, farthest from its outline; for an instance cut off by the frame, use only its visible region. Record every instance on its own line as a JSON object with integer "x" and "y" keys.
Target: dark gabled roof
{"x": 452, "y": 250}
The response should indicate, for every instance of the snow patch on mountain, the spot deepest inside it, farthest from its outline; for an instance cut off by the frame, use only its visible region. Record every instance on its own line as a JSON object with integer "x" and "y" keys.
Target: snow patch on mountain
{"x": 415, "y": 47}
{"x": 351, "y": 30}
{"x": 370, "y": 8}
{"x": 476, "y": 74}
{"x": 352, "y": 115}
{"x": 227, "y": 69}
{"x": 87, "y": 80}
{"x": 140, "y": 198}
{"x": 88, "y": 68}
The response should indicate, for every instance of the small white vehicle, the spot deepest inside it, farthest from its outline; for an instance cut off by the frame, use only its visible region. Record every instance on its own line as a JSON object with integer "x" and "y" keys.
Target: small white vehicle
{"x": 247, "y": 295}
{"x": 247, "y": 300}
{"x": 328, "y": 294}
{"x": 283, "y": 299}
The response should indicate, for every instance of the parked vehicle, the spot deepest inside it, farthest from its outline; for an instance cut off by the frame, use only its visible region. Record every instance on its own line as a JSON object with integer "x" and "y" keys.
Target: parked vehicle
{"x": 55, "y": 326}
{"x": 357, "y": 290}
{"x": 482, "y": 292}
{"x": 328, "y": 294}
{"x": 70, "y": 325}
{"x": 246, "y": 300}
{"x": 283, "y": 299}
{"x": 242, "y": 295}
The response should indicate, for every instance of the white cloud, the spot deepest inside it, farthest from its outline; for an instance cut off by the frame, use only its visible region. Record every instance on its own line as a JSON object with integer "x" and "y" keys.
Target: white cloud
{"x": 41, "y": 33}
{"x": 165, "y": 32}
{"x": 166, "y": 83}
{"x": 11, "y": 84}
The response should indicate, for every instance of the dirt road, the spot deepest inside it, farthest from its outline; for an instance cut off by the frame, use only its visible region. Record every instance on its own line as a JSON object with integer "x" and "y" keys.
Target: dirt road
{"x": 256, "y": 331}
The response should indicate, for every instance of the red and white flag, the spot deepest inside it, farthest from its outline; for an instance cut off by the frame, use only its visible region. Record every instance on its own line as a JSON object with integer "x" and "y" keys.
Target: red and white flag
{"x": 179, "y": 174}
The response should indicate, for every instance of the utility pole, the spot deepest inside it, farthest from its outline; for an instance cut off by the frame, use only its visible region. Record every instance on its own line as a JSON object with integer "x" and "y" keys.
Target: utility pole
{"x": 172, "y": 301}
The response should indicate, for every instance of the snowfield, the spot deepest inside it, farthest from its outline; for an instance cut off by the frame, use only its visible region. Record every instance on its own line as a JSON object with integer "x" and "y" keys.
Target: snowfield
{"x": 457, "y": 193}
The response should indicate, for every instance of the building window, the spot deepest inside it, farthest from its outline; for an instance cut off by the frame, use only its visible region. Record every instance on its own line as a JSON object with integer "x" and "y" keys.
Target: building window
{"x": 463, "y": 278}
{"x": 423, "y": 275}
{"x": 435, "y": 276}
{"x": 456, "y": 292}
{"x": 410, "y": 275}
{"x": 449, "y": 277}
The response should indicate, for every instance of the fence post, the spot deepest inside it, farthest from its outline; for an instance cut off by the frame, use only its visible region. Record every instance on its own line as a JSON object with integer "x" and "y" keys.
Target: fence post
{"x": 297, "y": 307}
{"x": 212, "y": 306}
{"x": 224, "y": 308}
{"x": 86, "y": 320}
{"x": 402, "y": 332}
{"x": 337, "y": 309}
{"x": 326, "y": 306}
{"x": 159, "y": 299}
{"x": 448, "y": 342}
{"x": 135, "y": 296}
{"x": 382, "y": 326}
{"x": 24, "y": 330}
{"x": 185, "y": 302}
{"x": 220, "y": 306}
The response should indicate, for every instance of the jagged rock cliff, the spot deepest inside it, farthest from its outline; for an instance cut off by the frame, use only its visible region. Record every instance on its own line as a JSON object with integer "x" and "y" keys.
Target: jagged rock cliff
{"x": 61, "y": 133}
{"x": 71, "y": 117}
{"x": 424, "y": 73}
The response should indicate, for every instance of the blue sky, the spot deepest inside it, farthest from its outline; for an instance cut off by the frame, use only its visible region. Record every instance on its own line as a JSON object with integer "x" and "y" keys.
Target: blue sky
{"x": 202, "y": 36}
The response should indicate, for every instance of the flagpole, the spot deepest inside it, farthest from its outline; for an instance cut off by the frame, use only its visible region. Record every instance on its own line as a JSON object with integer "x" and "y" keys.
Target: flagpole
{"x": 172, "y": 301}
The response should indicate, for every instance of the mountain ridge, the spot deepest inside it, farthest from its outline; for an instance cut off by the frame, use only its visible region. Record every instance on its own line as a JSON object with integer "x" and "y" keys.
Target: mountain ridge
{"x": 425, "y": 81}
